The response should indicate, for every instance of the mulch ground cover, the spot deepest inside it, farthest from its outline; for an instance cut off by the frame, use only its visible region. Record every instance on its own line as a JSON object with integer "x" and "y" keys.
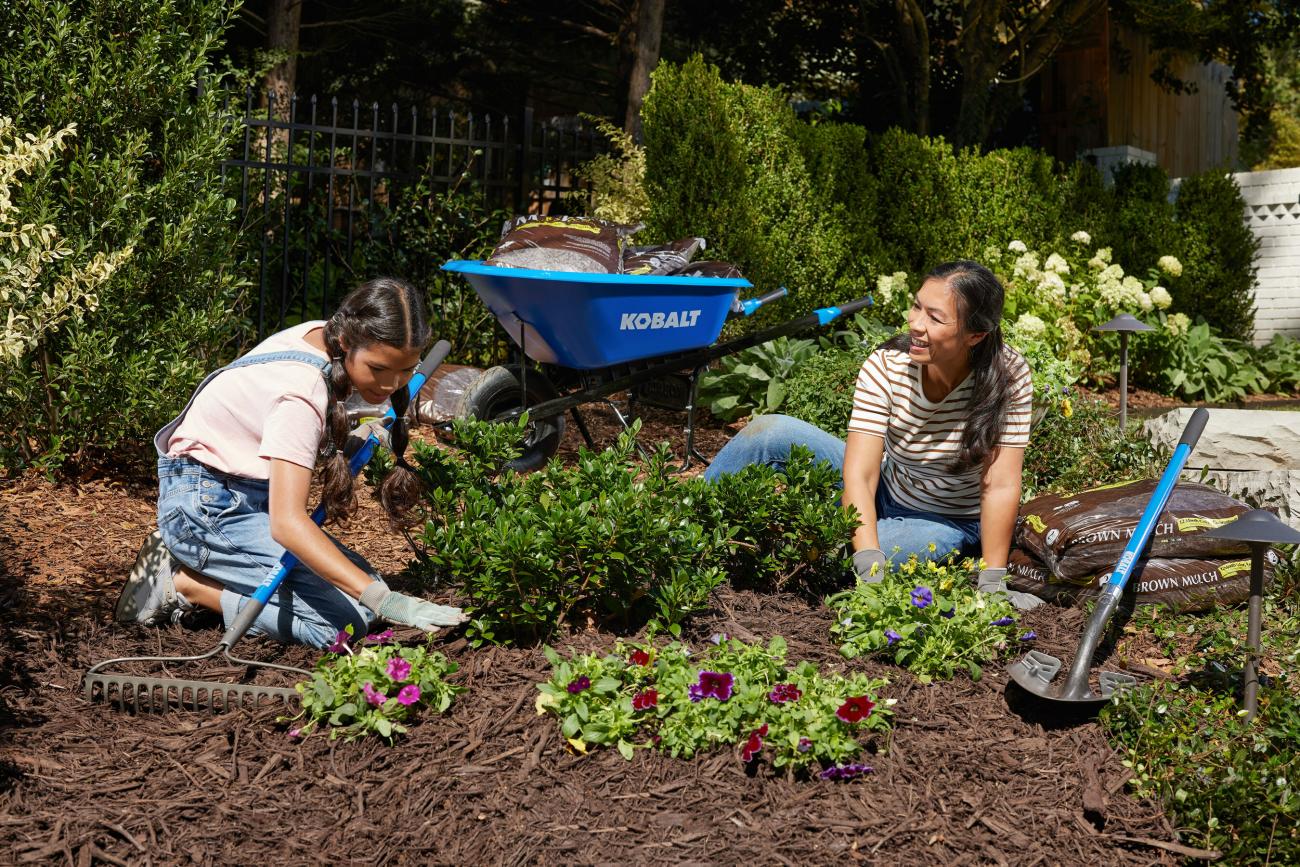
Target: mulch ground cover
{"x": 972, "y": 772}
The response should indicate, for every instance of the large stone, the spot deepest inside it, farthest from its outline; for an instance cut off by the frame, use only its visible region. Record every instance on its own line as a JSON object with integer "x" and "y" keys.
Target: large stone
{"x": 1236, "y": 439}
{"x": 1252, "y": 455}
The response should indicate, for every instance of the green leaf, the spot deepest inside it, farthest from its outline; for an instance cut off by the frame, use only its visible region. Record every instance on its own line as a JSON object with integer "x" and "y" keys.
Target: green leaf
{"x": 625, "y": 749}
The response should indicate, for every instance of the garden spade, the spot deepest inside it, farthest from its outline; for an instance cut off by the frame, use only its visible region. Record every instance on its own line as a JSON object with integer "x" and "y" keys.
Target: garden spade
{"x": 157, "y": 694}
{"x": 1036, "y": 671}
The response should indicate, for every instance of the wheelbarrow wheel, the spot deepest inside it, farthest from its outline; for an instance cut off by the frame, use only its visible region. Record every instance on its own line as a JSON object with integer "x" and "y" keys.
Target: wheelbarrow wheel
{"x": 497, "y": 392}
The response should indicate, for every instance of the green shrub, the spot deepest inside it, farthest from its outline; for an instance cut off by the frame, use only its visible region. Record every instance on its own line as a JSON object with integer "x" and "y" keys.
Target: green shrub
{"x": 1235, "y": 784}
{"x": 723, "y": 161}
{"x": 1082, "y": 447}
{"x": 141, "y": 173}
{"x": 821, "y": 391}
{"x": 1279, "y": 360}
{"x": 731, "y": 694}
{"x": 1141, "y": 225}
{"x": 1218, "y": 250}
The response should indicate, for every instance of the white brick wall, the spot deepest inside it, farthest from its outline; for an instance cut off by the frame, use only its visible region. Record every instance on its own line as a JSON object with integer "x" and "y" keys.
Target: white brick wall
{"x": 1273, "y": 214}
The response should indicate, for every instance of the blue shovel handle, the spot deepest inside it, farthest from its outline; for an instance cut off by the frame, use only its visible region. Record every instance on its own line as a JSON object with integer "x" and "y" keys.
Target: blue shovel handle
{"x": 288, "y": 561}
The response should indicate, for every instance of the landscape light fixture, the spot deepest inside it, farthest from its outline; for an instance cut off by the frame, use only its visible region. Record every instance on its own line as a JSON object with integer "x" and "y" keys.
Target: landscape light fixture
{"x": 1125, "y": 324}
{"x": 1260, "y": 528}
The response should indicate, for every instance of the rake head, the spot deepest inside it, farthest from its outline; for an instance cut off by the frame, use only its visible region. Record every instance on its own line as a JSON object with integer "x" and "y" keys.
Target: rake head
{"x": 160, "y": 694}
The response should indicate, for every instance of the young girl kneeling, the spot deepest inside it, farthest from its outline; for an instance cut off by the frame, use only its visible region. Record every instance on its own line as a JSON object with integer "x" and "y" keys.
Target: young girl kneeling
{"x": 235, "y": 468}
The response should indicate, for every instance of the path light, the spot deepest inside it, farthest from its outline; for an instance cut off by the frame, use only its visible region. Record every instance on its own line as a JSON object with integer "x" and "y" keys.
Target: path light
{"x": 1260, "y": 528}
{"x": 1124, "y": 324}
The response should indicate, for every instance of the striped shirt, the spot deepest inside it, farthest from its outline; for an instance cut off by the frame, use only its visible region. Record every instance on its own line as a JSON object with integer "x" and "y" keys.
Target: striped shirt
{"x": 923, "y": 438}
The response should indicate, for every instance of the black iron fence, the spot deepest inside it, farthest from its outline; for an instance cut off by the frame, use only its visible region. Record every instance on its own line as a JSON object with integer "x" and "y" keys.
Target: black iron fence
{"x": 331, "y": 193}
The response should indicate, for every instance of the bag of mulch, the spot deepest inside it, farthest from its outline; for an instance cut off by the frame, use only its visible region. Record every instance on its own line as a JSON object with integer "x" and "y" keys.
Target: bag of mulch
{"x": 710, "y": 268}
{"x": 575, "y": 244}
{"x": 661, "y": 259}
{"x": 1076, "y": 536}
{"x": 1181, "y": 584}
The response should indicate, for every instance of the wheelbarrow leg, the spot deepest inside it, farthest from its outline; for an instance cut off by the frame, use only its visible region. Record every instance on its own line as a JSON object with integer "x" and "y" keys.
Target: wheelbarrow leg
{"x": 691, "y": 451}
{"x": 582, "y": 427}
{"x": 623, "y": 421}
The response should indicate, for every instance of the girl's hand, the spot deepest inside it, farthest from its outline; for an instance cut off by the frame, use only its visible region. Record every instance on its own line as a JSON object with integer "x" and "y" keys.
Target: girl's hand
{"x": 406, "y": 610}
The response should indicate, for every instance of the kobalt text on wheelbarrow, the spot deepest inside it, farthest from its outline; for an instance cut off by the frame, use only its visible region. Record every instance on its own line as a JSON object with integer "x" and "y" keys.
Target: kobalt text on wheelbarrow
{"x": 583, "y": 337}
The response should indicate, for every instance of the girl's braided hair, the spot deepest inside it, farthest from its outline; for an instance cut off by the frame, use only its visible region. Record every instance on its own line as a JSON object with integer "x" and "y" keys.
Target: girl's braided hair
{"x": 389, "y": 311}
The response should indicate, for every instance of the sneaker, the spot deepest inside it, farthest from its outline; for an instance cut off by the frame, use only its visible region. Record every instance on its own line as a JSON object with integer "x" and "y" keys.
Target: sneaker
{"x": 149, "y": 597}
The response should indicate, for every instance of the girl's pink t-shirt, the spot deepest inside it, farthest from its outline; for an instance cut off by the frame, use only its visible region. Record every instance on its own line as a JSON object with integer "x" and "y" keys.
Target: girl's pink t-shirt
{"x": 249, "y": 415}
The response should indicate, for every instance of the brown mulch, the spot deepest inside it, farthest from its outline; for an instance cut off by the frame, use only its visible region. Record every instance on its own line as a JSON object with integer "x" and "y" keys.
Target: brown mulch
{"x": 972, "y": 772}
{"x": 1148, "y": 402}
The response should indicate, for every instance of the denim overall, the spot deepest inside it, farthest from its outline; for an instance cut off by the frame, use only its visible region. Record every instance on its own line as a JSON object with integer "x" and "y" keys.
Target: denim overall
{"x": 219, "y": 525}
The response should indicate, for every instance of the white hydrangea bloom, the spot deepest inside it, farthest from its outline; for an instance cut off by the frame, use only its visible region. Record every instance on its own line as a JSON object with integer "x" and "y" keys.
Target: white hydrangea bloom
{"x": 1017, "y": 247}
{"x": 1056, "y": 262}
{"x": 1144, "y": 301}
{"x": 1160, "y": 297}
{"x": 1111, "y": 273}
{"x": 1081, "y": 237}
{"x": 1053, "y": 285}
{"x": 1177, "y": 324}
{"x": 1029, "y": 325}
{"x": 1133, "y": 284}
{"x": 1026, "y": 266}
{"x": 1104, "y": 254}
{"x": 1170, "y": 266}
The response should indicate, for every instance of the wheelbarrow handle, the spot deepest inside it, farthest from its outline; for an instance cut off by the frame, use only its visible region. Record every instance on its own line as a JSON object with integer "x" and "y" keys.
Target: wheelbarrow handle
{"x": 750, "y": 305}
{"x": 359, "y": 459}
{"x": 826, "y": 315}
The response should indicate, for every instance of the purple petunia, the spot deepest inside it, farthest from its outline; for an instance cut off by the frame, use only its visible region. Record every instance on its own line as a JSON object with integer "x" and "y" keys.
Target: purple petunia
{"x": 845, "y": 772}
{"x": 892, "y": 637}
{"x": 380, "y": 637}
{"x": 372, "y": 696}
{"x": 921, "y": 597}
{"x": 712, "y": 684}
{"x": 804, "y": 745}
{"x": 784, "y": 692}
{"x": 1004, "y": 621}
{"x": 399, "y": 669}
{"x": 719, "y": 637}
{"x": 408, "y": 695}
{"x": 1029, "y": 636}
{"x": 341, "y": 640}
{"x": 579, "y": 684}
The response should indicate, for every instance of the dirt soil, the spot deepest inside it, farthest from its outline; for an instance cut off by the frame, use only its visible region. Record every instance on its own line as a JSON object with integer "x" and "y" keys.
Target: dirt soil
{"x": 973, "y": 772}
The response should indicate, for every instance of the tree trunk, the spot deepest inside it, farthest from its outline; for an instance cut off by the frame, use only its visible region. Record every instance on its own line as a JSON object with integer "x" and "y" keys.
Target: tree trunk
{"x": 282, "y": 26}
{"x": 649, "y": 29}
{"x": 914, "y": 42}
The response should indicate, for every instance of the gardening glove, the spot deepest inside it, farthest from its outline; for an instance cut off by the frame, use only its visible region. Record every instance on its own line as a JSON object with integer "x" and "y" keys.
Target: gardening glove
{"x": 995, "y": 581}
{"x": 864, "y": 560}
{"x": 406, "y": 610}
{"x": 357, "y": 436}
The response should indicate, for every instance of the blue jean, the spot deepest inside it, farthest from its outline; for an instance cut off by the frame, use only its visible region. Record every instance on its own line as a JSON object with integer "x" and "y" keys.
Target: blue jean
{"x": 767, "y": 440}
{"x": 219, "y": 526}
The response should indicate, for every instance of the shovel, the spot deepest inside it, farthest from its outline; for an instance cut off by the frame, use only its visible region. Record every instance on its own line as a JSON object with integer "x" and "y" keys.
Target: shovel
{"x": 156, "y": 694}
{"x": 1035, "y": 672}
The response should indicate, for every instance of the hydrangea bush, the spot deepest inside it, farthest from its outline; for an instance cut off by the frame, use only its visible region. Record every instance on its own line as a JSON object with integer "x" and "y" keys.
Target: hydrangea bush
{"x": 372, "y": 686}
{"x": 927, "y": 617}
{"x": 730, "y": 693}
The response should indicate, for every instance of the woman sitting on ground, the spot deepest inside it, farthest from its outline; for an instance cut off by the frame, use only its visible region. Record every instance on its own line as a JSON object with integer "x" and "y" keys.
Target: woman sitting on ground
{"x": 937, "y": 437}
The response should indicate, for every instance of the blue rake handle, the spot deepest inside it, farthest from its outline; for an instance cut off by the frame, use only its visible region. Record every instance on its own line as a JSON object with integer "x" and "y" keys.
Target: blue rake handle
{"x": 271, "y": 583}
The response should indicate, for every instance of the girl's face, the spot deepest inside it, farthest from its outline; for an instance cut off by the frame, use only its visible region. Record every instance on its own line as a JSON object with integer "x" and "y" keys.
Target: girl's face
{"x": 938, "y": 334}
{"x": 378, "y": 370}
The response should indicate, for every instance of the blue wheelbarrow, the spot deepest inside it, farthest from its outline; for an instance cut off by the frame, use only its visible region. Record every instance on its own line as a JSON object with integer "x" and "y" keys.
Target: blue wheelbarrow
{"x": 584, "y": 337}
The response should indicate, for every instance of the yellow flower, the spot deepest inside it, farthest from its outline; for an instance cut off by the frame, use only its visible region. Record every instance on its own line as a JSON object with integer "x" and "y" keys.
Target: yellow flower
{"x": 1066, "y": 409}
{"x": 933, "y": 547}
{"x": 946, "y": 584}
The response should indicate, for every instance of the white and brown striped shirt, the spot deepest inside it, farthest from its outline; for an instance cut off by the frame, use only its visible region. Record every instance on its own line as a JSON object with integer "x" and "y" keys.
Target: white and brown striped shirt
{"x": 923, "y": 438}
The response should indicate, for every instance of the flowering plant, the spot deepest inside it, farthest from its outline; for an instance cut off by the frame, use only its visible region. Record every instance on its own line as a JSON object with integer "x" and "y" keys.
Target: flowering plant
{"x": 372, "y": 685}
{"x": 927, "y": 617}
{"x": 732, "y": 693}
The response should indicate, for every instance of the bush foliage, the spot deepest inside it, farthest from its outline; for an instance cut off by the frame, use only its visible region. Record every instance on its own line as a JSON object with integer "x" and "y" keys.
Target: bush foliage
{"x": 142, "y": 173}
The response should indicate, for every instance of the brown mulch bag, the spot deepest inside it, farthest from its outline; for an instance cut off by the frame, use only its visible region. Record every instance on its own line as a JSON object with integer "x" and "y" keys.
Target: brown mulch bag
{"x": 710, "y": 268}
{"x": 1181, "y": 584}
{"x": 1081, "y": 535}
{"x": 575, "y": 244}
{"x": 661, "y": 259}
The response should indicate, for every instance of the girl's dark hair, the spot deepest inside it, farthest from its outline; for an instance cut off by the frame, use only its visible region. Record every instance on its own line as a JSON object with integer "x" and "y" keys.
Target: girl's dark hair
{"x": 384, "y": 310}
{"x": 979, "y": 296}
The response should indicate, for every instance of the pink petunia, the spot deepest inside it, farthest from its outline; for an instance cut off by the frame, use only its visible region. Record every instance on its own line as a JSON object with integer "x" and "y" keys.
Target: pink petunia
{"x": 380, "y": 637}
{"x": 408, "y": 695}
{"x": 372, "y": 696}
{"x": 340, "y": 644}
{"x": 399, "y": 669}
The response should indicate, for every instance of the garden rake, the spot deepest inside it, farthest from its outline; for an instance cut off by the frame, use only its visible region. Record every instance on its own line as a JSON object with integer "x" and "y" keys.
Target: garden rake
{"x": 1036, "y": 670}
{"x": 157, "y": 694}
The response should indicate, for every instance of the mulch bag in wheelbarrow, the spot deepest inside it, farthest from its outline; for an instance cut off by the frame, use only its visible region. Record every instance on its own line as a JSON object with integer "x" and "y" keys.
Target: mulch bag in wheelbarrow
{"x": 661, "y": 258}
{"x": 1081, "y": 535}
{"x": 575, "y": 244}
{"x": 1181, "y": 584}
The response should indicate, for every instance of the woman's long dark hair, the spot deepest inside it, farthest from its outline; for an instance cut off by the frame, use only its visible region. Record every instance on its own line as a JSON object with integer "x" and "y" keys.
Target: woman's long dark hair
{"x": 979, "y": 297}
{"x": 384, "y": 310}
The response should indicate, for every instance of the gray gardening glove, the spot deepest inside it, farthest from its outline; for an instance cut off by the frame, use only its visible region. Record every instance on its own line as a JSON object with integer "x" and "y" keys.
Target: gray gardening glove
{"x": 995, "y": 581}
{"x": 864, "y": 560}
{"x": 406, "y": 610}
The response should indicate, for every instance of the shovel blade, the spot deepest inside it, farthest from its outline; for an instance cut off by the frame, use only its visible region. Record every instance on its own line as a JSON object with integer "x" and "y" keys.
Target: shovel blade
{"x": 1036, "y": 671}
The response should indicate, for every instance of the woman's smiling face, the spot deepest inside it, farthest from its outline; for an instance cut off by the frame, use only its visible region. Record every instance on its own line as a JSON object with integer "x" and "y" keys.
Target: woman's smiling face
{"x": 935, "y": 325}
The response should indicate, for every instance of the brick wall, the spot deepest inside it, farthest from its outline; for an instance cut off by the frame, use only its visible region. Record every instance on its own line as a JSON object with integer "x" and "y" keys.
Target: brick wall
{"x": 1273, "y": 214}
